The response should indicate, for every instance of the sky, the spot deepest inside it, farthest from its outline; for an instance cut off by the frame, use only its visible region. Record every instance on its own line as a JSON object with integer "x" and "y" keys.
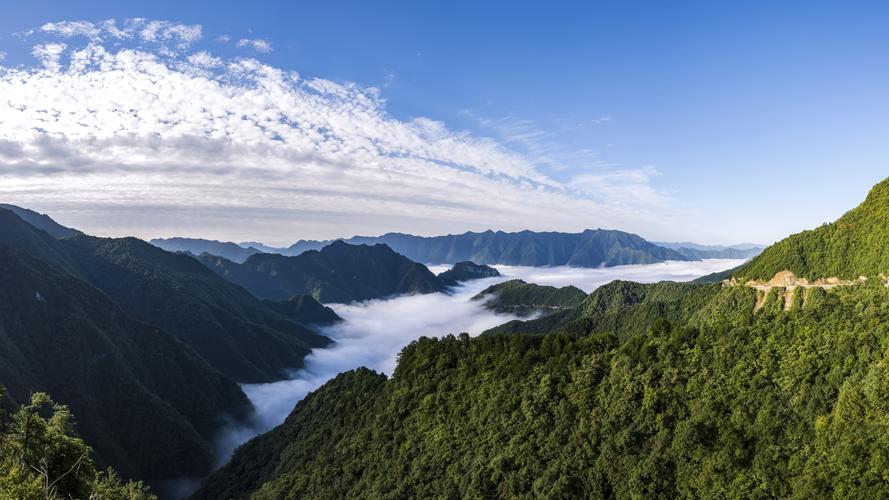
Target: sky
{"x": 712, "y": 122}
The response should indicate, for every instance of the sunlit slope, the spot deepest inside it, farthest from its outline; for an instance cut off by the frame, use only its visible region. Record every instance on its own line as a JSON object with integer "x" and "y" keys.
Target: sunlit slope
{"x": 856, "y": 244}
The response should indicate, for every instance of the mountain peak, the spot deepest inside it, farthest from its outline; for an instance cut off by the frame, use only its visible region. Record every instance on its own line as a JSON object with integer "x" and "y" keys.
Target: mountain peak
{"x": 852, "y": 246}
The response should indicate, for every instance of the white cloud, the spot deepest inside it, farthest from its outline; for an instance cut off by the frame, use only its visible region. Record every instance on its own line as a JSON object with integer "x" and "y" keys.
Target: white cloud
{"x": 204, "y": 59}
{"x": 170, "y": 143}
{"x": 622, "y": 186}
{"x": 374, "y": 332}
{"x": 256, "y": 44}
{"x": 2, "y": 56}
{"x": 49, "y": 55}
{"x": 70, "y": 29}
{"x": 160, "y": 32}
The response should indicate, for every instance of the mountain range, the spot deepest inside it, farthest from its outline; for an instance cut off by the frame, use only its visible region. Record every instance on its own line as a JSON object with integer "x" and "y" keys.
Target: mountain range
{"x": 339, "y": 272}
{"x": 591, "y": 248}
{"x": 771, "y": 383}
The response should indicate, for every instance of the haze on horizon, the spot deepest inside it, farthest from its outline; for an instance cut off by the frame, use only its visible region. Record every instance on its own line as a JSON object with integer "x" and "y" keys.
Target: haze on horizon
{"x": 162, "y": 119}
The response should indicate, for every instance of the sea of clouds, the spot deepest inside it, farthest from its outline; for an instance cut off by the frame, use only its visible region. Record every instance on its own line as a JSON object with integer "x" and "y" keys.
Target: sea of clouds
{"x": 374, "y": 332}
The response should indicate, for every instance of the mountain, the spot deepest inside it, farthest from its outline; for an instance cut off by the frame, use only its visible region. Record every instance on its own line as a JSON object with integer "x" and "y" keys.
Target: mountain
{"x": 695, "y": 251}
{"x": 339, "y": 272}
{"x": 232, "y": 330}
{"x": 197, "y": 246}
{"x": 132, "y": 385}
{"x": 41, "y": 221}
{"x": 852, "y": 246}
{"x": 776, "y": 389}
{"x": 224, "y": 324}
{"x": 304, "y": 310}
{"x": 775, "y": 403}
{"x": 525, "y": 299}
{"x": 591, "y": 248}
{"x": 467, "y": 271}
{"x": 622, "y": 308}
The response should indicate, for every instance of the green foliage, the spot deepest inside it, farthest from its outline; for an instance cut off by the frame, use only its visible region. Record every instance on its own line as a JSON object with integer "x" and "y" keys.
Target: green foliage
{"x": 466, "y": 271}
{"x": 304, "y": 309}
{"x": 853, "y": 246}
{"x": 623, "y": 308}
{"x": 523, "y": 299}
{"x": 338, "y": 272}
{"x": 41, "y": 456}
{"x": 133, "y": 386}
{"x": 781, "y": 404}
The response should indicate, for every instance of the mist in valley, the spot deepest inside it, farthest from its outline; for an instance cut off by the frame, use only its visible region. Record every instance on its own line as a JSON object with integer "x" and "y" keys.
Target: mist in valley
{"x": 374, "y": 332}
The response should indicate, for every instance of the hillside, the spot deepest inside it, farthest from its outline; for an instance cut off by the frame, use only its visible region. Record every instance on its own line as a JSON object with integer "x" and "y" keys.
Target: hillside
{"x": 197, "y": 246}
{"x": 41, "y": 221}
{"x": 131, "y": 384}
{"x": 229, "y": 328}
{"x": 591, "y": 248}
{"x": 622, "y": 308}
{"x": 660, "y": 390}
{"x": 852, "y": 246}
{"x": 338, "y": 273}
{"x": 467, "y": 271}
{"x": 524, "y": 299}
{"x": 304, "y": 310}
{"x": 232, "y": 330}
{"x": 737, "y": 408}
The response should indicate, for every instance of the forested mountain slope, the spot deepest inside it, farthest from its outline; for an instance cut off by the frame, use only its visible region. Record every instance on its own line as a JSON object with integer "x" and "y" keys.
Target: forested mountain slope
{"x": 523, "y": 299}
{"x": 776, "y": 404}
{"x": 337, "y": 273}
{"x": 856, "y": 244}
{"x": 232, "y": 330}
{"x": 147, "y": 403}
{"x": 229, "y": 328}
{"x": 661, "y": 390}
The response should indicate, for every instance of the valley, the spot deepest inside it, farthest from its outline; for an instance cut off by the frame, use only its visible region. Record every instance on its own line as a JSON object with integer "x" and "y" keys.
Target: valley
{"x": 373, "y": 333}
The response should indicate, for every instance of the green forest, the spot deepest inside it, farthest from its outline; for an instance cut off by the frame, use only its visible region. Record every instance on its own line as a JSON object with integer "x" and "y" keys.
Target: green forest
{"x": 753, "y": 405}
{"x": 42, "y": 456}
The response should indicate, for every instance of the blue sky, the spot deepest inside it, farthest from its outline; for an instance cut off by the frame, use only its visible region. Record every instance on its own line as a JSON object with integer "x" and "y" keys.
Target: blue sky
{"x": 704, "y": 121}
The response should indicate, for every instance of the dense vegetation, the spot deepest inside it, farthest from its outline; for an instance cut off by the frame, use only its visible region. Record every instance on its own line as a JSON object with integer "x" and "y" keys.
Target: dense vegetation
{"x": 132, "y": 385}
{"x": 523, "y": 299}
{"x": 42, "y": 457}
{"x": 591, "y": 248}
{"x": 854, "y": 245}
{"x": 197, "y": 246}
{"x": 663, "y": 390}
{"x": 773, "y": 404}
{"x": 467, "y": 271}
{"x": 145, "y": 346}
{"x": 228, "y": 327}
{"x": 622, "y": 308}
{"x": 337, "y": 273}
{"x": 305, "y": 310}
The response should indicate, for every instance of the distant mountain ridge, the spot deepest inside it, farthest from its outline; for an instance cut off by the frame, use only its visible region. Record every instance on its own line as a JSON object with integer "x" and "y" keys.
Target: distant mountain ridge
{"x": 700, "y": 252}
{"x": 590, "y": 248}
{"x": 41, "y": 221}
{"x": 339, "y": 272}
{"x": 197, "y": 246}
